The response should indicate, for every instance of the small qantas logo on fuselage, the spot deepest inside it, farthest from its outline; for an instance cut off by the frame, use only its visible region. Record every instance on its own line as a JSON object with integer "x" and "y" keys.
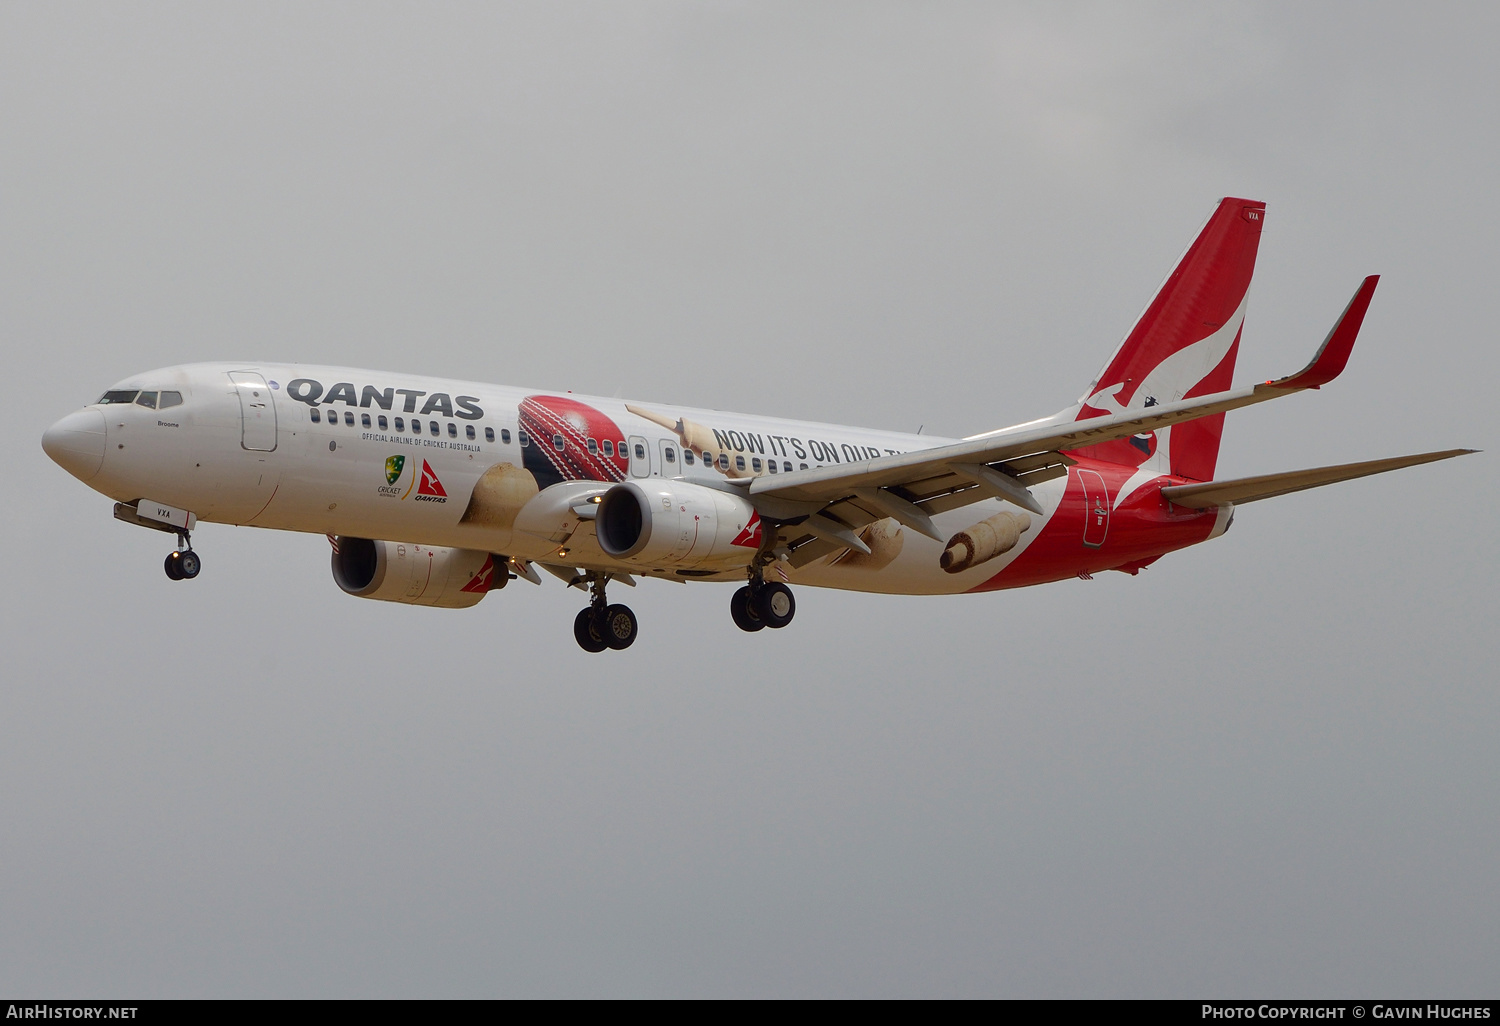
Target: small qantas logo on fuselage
{"x": 430, "y": 489}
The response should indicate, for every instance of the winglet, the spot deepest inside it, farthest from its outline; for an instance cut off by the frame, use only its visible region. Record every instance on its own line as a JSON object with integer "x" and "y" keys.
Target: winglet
{"x": 1333, "y": 354}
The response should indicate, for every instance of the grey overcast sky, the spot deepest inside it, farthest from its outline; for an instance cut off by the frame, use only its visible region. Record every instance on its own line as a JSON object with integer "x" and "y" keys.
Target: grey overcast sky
{"x": 1266, "y": 766}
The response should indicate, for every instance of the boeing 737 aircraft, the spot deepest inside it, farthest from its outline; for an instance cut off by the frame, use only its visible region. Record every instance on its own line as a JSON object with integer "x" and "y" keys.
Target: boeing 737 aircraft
{"x": 436, "y": 492}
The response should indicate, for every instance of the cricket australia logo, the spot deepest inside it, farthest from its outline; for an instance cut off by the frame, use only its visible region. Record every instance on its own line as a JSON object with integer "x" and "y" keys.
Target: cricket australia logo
{"x": 394, "y": 465}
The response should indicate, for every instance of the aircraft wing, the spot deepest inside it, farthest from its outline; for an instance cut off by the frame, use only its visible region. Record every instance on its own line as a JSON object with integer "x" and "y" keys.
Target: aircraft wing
{"x": 910, "y": 487}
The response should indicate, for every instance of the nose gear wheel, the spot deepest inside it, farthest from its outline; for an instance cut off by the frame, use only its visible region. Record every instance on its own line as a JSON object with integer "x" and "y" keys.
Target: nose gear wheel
{"x": 183, "y": 563}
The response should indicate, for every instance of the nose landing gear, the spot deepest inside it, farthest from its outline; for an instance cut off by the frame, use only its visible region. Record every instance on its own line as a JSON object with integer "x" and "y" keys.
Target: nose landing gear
{"x": 601, "y": 625}
{"x": 183, "y": 563}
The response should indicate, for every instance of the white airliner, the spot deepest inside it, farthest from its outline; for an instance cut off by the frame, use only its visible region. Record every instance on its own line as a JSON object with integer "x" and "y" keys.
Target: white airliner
{"x": 481, "y": 483}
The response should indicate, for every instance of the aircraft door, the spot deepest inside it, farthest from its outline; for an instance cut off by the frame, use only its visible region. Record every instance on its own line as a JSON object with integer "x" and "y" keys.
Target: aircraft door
{"x": 1095, "y": 508}
{"x": 257, "y": 412}
{"x": 670, "y": 455}
{"x": 640, "y": 457}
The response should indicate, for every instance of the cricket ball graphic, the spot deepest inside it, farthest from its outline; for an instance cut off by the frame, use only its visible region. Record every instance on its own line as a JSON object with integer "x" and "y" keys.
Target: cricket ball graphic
{"x": 570, "y": 441}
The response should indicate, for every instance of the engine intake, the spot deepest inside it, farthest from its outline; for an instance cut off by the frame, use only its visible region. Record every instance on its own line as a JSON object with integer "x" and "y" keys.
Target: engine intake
{"x": 419, "y": 575}
{"x": 669, "y": 524}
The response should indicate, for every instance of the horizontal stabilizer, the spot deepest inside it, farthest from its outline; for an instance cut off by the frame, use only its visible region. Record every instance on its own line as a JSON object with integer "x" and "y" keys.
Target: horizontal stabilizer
{"x": 1248, "y": 489}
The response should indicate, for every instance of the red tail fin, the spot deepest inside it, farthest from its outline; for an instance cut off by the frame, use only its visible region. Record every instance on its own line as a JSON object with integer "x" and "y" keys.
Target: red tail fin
{"x": 1184, "y": 345}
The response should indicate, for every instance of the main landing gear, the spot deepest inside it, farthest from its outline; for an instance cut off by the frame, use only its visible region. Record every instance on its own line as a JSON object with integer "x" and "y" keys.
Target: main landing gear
{"x": 601, "y": 625}
{"x": 758, "y": 605}
{"x": 183, "y": 563}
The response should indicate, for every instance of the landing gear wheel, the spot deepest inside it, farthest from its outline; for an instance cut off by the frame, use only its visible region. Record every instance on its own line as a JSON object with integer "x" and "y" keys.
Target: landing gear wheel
{"x": 743, "y": 610}
{"x": 584, "y": 632}
{"x": 774, "y": 605}
{"x": 188, "y": 564}
{"x": 619, "y": 627}
{"x": 173, "y": 565}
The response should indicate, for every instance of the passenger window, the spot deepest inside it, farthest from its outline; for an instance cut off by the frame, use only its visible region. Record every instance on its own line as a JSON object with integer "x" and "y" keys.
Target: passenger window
{"x": 381, "y": 421}
{"x": 771, "y": 466}
{"x": 609, "y": 447}
{"x": 432, "y": 428}
{"x": 489, "y": 434}
{"x": 669, "y": 454}
{"x": 755, "y": 464}
{"x": 504, "y": 435}
{"x": 687, "y": 456}
{"x": 739, "y": 463}
{"x": 348, "y": 418}
{"x": 317, "y": 418}
{"x": 559, "y": 444}
{"x": 453, "y": 429}
{"x": 640, "y": 451}
{"x": 400, "y": 424}
{"x": 593, "y": 447}
{"x": 169, "y": 400}
{"x": 364, "y": 420}
{"x": 117, "y": 396}
{"x": 802, "y": 466}
{"x": 525, "y": 440}
{"x": 146, "y": 399}
{"x": 723, "y": 461}
{"x": 787, "y": 466}
{"x": 469, "y": 431}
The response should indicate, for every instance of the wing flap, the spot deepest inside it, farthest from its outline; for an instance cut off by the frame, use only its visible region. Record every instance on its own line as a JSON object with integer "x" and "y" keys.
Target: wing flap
{"x": 1267, "y": 486}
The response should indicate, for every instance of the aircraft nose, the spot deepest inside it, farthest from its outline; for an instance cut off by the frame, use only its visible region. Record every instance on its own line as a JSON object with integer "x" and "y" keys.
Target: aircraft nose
{"x": 76, "y": 443}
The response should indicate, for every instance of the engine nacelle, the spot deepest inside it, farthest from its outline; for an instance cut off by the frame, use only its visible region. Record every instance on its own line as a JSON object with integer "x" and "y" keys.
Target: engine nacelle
{"x": 419, "y": 575}
{"x": 675, "y": 525}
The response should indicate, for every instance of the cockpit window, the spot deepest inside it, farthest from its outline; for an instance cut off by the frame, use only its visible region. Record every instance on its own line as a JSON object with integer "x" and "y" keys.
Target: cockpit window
{"x": 146, "y": 399}
{"x": 168, "y": 400}
{"x": 118, "y": 396}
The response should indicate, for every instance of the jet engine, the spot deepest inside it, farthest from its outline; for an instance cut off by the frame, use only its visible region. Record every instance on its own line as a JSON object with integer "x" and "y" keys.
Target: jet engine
{"x": 673, "y": 524}
{"x": 419, "y": 575}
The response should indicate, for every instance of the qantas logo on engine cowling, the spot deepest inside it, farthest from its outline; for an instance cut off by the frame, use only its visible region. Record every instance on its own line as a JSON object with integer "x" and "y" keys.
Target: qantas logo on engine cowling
{"x": 750, "y": 536}
{"x": 482, "y": 581}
